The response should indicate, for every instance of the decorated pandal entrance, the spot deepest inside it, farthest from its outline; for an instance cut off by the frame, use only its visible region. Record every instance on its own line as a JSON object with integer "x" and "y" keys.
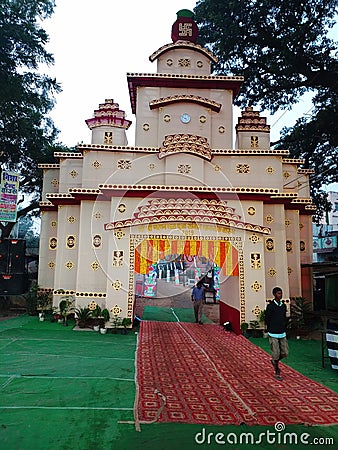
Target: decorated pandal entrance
{"x": 182, "y": 263}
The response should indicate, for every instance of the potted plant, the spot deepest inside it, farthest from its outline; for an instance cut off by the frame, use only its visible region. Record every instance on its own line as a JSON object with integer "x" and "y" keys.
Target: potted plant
{"x": 44, "y": 302}
{"x": 256, "y": 331}
{"x": 244, "y": 329}
{"x": 106, "y": 316}
{"x": 82, "y": 314}
{"x": 116, "y": 323}
{"x": 66, "y": 307}
{"x": 96, "y": 315}
{"x": 126, "y": 322}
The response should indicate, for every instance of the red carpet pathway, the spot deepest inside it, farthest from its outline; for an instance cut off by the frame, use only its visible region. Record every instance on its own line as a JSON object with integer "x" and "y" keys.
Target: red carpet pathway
{"x": 201, "y": 374}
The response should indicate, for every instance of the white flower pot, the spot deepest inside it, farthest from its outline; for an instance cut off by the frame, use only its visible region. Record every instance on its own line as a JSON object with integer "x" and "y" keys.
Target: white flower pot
{"x": 96, "y": 327}
{"x": 103, "y": 330}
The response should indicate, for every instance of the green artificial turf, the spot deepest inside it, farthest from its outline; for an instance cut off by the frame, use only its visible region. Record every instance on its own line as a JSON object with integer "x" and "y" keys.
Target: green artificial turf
{"x": 66, "y": 389}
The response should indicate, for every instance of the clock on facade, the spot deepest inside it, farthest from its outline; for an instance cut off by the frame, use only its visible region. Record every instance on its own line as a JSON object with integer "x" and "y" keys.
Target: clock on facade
{"x": 185, "y": 118}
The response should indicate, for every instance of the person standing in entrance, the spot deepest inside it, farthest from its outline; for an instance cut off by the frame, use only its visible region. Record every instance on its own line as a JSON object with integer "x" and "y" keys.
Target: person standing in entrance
{"x": 275, "y": 321}
{"x": 198, "y": 298}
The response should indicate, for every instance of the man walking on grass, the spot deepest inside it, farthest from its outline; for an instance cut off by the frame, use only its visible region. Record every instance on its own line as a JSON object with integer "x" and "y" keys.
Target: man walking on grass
{"x": 198, "y": 298}
{"x": 275, "y": 321}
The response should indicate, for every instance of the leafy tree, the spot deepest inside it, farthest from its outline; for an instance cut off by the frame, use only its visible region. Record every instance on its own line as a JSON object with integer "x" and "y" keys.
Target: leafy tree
{"x": 27, "y": 134}
{"x": 283, "y": 50}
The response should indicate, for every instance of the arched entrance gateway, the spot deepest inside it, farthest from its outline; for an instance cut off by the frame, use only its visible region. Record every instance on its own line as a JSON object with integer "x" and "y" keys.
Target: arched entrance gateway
{"x": 180, "y": 199}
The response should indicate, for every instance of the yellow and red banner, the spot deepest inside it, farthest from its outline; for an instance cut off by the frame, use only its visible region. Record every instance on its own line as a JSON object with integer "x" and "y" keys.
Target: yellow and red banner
{"x": 222, "y": 253}
{"x": 9, "y": 188}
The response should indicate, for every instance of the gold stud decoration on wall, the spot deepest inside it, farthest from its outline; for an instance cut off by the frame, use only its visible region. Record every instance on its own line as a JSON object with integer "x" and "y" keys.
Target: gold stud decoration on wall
{"x": 302, "y": 246}
{"x": 269, "y": 170}
{"x": 96, "y": 164}
{"x": 255, "y": 261}
{"x": 121, "y": 208}
{"x": 270, "y": 244}
{"x": 254, "y": 238}
{"x": 272, "y": 272}
{"x": 146, "y": 126}
{"x": 169, "y": 62}
{"x": 71, "y": 219}
{"x": 184, "y": 168}
{"x": 290, "y": 271}
{"x": 53, "y": 223}
{"x": 97, "y": 241}
{"x": 199, "y": 64}
{"x": 256, "y": 311}
{"x": 51, "y": 264}
{"x": 184, "y": 62}
{"x": 256, "y": 286}
{"x": 117, "y": 285}
{"x": 92, "y": 305}
{"x": 254, "y": 141}
{"x": 73, "y": 173}
{"x": 118, "y": 258}
{"x": 221, "y": 129}
{"x": 54, "y": 182}
{"x": 69, "y": 265}
{"x": 152, "y": 166}
{"x": 217, "y": 168}
{"x": 242, "y": 168}
{"x": 119, "y": 234}
{"x": 116, "y": 311}
{"x": 269, "y": 219}
{"x": 108, "y": 138}
{"x": 71, "y": 241}
{"x": 166, "y": 118}
{"x": 97, "y": 215}
{"x": 203, "y": 119}
{"x": 124, "y": 164}
{"x": 287, "y": 222}
{"x": 95, "y": 265}
{"x": 301, "y": 226}
{"x": 288, "y": 245}
{"x": 286, "y": 175}
{"x": 251, "y": 211}
{"x": 53, "y": 242}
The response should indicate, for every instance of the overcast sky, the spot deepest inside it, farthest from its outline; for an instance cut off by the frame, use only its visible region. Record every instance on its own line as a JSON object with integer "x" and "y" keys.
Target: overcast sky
{"x": 95, "y": 44}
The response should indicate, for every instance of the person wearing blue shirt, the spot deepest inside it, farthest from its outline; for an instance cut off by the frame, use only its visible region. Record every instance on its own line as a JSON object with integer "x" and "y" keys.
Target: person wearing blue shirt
{"x": 275, "y": 321}
{"x": 198, "y": 298}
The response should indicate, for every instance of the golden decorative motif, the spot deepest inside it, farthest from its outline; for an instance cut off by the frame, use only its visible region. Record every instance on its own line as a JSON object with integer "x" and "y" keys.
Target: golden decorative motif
{"x": 151, "y": 166}
{"x": 269, "y": 219}
{"x": 169, "y": 62}
{"x": 269, "y": 170}
{"x": 287, "y": 222}
{"x": 97, "y": 241}
{"x": 301, "y": 225}
{"x": 217, "y": 168}
{"x": 286, "y": 175}
{"x": 71, "y": 219}
{"x": 71, "y": 242}
{"x": 53, "y": 243}
{"x": 108, "y": 137}
{"x": 242, "y": 168}
{"x": 221, "y": 129}
{"x": 288, "y": 245}
{"x": 96, "y": 164}
{"x": 272, "y": 272}
{"x": 92, "y": 305}
{"x": 118, "y": 256}
{"x": 119, "y": 234}
{"x": 251, "y": 211}
{"x": 184, "y": 168}
{"x": 256, "y": 286}
{"x": 269, "y": 244}
{"x": 51, "y": 264}
{"x": 54, "y": 182}
{"x": 203, "y": 119}
{"x": 73, "y": 173}
{"x": 53, "y": 223}
{"x": 146, "y": 126}
{"x": 185, "y": 143}
{"x": 199, "y": 64}
{"x": 95, "y": 265}
{"x": 255, "y": 261}
{"x": 97, "y": 215}
{"x": 179, "y": 98}
{"x": 256, "y": 311}
{"x": 254, "y": 141}
{"x": 117, "y": 285}
{"x": 69, "y": 265}
{"x": 254, "y": 238}
{"x": 290, "y": 270}
{"x": 116, "y": 311}
{"x": 166, "y": 118}
{"x": 184, "y": 62}
{"x": 124, "y": 164}
{"x": 302, "y": 246}
{"x": 121, "y": 208}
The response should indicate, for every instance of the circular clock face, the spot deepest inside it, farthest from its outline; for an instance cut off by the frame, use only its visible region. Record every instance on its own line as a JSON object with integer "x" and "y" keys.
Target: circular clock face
{"x": 185, "y": 118}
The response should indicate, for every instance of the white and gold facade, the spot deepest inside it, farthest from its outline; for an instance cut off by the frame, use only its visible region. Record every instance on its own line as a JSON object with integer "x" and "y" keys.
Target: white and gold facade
{"x": 181, "y": 186}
